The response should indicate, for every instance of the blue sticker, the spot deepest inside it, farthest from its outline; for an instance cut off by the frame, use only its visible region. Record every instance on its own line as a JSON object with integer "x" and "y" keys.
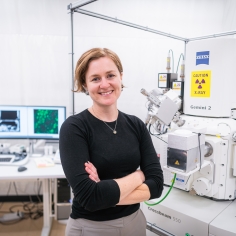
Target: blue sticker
{"x": 181, "y": 180}
{"x": 202, "y": 58}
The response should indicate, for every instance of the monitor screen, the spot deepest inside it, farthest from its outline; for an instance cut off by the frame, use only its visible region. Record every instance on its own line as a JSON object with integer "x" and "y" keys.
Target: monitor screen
{"x": 33, "y": 122}
{"x": 13, "y": 122}
{"x": 45, "y": 122}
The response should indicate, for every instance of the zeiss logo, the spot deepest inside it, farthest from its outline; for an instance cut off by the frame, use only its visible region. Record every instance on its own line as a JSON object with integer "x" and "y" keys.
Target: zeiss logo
{"x": 202, "y": 58}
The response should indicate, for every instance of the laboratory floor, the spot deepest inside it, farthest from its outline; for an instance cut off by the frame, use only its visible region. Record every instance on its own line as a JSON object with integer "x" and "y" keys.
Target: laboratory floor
{"x": 27, "y": 227}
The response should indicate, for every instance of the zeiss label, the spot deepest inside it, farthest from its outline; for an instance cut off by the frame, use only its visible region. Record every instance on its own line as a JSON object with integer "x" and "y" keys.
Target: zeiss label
{"x": 202, "y": 58}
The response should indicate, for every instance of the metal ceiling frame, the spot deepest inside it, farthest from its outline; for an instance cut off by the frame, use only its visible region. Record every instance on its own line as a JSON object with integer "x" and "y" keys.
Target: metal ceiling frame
{"x": 75, "y": 7}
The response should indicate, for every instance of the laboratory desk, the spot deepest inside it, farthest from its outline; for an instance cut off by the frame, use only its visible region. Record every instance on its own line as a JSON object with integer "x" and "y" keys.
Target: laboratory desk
{"x": 46, "y": 174}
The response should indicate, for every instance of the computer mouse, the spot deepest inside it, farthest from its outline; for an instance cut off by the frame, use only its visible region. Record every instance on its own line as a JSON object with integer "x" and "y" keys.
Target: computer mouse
{"x": 21, "y": 168}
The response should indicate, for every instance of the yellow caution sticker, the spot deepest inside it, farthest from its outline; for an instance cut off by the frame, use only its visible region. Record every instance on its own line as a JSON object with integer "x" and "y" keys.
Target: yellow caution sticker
{"x": 177, "y": 162}
{"x": 176, "y": 86}
{"x": 162, "y": 78}
{"x": 201, "y": 83}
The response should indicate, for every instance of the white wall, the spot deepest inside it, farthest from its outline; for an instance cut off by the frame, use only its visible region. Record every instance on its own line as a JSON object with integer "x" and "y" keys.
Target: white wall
{"x": 35, "y": 45}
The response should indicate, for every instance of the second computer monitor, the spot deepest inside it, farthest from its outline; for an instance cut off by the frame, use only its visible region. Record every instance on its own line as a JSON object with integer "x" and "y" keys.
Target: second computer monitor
{"x": 45, "y": 122}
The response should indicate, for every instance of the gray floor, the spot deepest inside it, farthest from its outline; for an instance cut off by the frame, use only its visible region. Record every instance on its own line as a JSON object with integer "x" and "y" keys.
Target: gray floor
{"x": 28, "y": 227}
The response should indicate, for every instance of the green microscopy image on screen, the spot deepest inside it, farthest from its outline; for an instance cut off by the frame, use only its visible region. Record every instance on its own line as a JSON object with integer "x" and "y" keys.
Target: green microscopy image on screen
{"x": 45, "y": 121}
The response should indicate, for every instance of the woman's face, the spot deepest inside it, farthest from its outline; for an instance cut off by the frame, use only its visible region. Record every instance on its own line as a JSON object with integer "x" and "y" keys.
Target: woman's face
{"x": 103, "y": 81}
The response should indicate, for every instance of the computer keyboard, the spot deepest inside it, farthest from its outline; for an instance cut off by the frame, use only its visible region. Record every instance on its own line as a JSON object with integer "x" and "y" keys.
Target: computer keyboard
{"x": 6, "y": 159}
{"x": 14, "y": 159}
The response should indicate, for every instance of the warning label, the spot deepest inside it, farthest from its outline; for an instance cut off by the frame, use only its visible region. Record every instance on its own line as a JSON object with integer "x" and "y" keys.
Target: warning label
{"x": 177, "y": 163}
{"x": 201, "y": 83}
{"x": 162, "y": 80}
{"x": 176, "y": 86}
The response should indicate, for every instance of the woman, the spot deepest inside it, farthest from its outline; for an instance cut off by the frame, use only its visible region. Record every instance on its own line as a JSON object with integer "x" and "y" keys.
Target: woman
{"x": 101, "y": 149}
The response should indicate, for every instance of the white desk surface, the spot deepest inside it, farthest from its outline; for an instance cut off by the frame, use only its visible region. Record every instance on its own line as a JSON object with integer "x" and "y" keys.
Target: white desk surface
{"x": 32, "y": 172}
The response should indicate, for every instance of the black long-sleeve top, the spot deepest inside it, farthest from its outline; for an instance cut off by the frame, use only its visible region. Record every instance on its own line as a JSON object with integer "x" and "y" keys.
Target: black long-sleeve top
{"x": 84, "y": 138}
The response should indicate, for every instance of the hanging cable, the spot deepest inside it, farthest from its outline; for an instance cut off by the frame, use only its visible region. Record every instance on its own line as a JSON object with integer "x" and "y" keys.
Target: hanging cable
{"x": 153, "y": 204}
{"x": 172, "y": 59}
{"x": 199, "y": 145}
{"x": 181, "y": 55}
{"x": 156, "y": 135}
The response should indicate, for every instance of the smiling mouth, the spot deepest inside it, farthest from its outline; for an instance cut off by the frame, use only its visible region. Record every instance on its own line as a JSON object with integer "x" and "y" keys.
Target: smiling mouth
{"x": 106, "y": 93}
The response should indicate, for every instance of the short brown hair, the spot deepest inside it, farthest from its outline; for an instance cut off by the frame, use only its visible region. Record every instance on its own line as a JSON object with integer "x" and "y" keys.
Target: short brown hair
{"x": 86, "y": 58}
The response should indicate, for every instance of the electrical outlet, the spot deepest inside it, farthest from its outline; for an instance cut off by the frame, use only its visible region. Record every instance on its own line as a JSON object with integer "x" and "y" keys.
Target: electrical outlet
{"x": 12, "y": 217}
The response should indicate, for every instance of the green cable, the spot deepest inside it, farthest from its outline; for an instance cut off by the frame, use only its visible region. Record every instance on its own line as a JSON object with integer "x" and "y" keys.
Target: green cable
{"x": 153, "y": 204}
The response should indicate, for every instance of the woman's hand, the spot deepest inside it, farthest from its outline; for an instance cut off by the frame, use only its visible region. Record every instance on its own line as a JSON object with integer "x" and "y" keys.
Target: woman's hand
{"x": 92, "y": 171}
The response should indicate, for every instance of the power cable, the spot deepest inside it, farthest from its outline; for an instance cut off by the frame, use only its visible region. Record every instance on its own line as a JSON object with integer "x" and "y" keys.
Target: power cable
{"x": 153, "y": 204}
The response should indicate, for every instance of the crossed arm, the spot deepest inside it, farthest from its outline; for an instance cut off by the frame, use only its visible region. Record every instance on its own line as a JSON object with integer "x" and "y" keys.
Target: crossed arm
{"x": 132, "y": 188}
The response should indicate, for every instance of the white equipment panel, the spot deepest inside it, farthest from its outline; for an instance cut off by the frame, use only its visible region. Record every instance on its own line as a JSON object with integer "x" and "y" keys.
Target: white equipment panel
{"x": 210, "y": 78}
{"x": 224, "y": 224}
{"x": 183, "y": 214}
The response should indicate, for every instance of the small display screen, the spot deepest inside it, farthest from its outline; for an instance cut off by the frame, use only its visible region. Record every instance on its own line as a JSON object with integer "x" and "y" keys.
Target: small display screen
{"x": 9, "y": 121}
{"x": 45, "y": 121}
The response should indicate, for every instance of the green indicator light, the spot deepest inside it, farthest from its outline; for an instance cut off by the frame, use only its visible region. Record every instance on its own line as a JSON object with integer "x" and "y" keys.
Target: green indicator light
{"x": 187, "y": 234}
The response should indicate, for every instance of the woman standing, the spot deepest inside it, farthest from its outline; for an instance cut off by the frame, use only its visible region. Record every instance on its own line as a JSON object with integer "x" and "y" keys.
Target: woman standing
{"x": 101, "y": 149}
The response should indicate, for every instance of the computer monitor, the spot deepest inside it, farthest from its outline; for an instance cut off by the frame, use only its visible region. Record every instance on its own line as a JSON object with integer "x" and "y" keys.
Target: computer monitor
{"x": 31, "y": 122}
{"x": 13, "y": 122}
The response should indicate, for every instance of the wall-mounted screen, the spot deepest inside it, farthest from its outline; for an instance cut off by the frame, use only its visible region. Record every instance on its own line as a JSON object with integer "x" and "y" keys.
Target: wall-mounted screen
{"x": 33, "y": 122}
